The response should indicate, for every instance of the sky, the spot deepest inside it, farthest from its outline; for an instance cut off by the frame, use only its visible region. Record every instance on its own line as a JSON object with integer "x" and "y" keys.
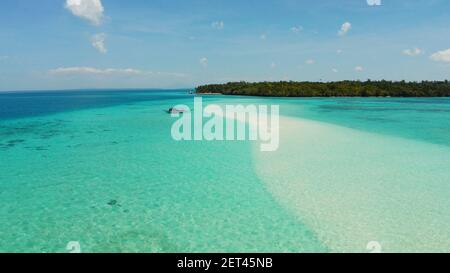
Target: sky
{"x": 80, "y": 44}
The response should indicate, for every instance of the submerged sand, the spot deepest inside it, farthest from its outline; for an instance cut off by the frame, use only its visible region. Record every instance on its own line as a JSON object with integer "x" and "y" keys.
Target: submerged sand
{"x": 352, "y": 187}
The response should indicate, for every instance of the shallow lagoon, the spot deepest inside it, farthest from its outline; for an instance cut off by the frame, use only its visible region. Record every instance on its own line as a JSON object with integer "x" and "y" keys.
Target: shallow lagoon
{"x": 104, "y": 171}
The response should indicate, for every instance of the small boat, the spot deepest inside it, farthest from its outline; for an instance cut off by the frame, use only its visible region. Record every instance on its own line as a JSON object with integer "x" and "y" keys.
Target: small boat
{"x": 176, "y": 111}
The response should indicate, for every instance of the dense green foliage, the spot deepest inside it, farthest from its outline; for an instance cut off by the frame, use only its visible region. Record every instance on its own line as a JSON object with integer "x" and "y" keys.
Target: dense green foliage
{"x": 332, "y": 89}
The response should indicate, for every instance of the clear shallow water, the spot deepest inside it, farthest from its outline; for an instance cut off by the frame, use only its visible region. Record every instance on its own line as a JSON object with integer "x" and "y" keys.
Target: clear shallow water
{"x": 100, "y": 167}
{"x": 113, "y": 179}
{"x": 403, "y": 117}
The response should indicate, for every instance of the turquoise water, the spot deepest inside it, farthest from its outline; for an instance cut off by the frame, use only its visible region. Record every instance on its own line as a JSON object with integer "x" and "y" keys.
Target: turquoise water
{"x": 101, "y": 168}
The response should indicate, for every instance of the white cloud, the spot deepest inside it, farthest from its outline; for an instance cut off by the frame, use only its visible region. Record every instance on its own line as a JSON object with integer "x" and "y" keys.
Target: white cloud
{"x": 339, "y": 51}
{"x": 4, "y": 58}
{"x": 413, "y": 52}
{"x": 310, "y": 61}
{"x": 297, "y": 29}
{"x": 441, "y": 56}
{"x": 335, "y": 70}
{"x": 345, "y": 28}
{"x": 91, "y": 70}
{"x": 109, "y": 71}
{"x": 273, "y": 65}
{"x": 359, "y": 69}
{"x": 218, "y": 25}
{"x": 263, "y": 37}
{"x": 374, "y": 2}
{"x": 98, "y": 42}
{"x": 204, "y": 61}
{"x": 90, "y": 10}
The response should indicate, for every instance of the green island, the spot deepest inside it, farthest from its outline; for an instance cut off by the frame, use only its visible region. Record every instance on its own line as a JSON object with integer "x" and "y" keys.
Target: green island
{"x": 331, "y": 89}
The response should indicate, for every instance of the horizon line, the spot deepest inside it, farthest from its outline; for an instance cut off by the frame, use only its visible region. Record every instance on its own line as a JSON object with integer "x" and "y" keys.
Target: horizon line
{"x": 187, "y": 88}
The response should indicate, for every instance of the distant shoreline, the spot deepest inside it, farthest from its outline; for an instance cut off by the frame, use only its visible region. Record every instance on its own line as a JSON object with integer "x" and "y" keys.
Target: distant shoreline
{"x": 374, "y": 89}
{"x": 207, "y": 93}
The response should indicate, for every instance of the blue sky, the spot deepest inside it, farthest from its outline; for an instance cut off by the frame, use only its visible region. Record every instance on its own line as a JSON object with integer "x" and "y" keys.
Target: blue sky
{"x": 67, "y": 44}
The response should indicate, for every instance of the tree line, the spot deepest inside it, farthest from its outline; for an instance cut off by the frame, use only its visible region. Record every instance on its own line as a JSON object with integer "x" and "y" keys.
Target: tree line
{"x": 331, "y": 89}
